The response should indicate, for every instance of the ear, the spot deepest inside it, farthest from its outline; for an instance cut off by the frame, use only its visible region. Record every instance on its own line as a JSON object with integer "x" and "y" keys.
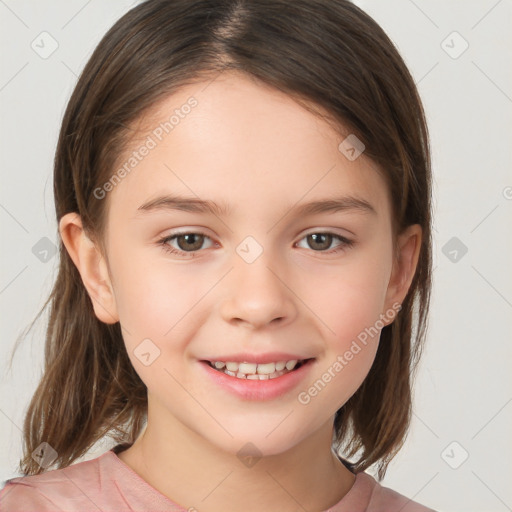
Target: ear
{"x": 404, "y": 265}
{"x": 92, "y": 267}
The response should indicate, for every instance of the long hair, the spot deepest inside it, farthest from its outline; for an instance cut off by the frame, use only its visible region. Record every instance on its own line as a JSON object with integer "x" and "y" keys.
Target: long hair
{"x": 331, "y": 57}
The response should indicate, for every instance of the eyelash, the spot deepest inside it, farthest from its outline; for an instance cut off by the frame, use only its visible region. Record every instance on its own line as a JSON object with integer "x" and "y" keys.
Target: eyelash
{"x": 164, "y": 242}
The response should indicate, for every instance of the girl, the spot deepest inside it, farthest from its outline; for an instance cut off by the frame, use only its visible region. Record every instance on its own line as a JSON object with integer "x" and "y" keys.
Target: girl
{"x": 243, "y": 197}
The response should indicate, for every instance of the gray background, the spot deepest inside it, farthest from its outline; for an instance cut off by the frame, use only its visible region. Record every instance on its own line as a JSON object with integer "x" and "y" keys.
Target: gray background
{"x": 458, "y": 453}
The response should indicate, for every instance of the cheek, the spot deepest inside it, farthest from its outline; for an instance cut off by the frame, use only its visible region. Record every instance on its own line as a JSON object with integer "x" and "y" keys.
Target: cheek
{"x": 347, "y": 300}
{"x": 155, "y": 305}
{"x": 351, "y": 317}
{"x": 155, "y": 300}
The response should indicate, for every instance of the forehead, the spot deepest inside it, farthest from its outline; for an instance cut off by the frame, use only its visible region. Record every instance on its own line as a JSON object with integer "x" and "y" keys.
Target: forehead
{"x": 242, "y": 143}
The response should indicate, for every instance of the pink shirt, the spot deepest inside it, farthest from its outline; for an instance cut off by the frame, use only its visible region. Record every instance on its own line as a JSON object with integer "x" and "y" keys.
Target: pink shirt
{"x": 107, "y": 484}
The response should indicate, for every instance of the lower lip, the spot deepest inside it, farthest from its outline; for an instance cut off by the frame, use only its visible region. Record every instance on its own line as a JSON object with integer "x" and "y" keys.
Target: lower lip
{"x": 249, "y": 389}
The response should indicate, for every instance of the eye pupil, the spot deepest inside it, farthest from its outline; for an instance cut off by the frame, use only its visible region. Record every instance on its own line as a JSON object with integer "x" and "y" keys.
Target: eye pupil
{"x": 319, "y": 238}
{"x": 189, "y": 237}
{"x": 193, "y": 242}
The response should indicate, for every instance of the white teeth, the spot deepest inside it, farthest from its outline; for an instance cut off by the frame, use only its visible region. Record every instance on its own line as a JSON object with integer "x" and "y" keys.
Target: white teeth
{"x": 255, "y": 371}
{"x": 266, "y": 369}
{"x": 290, "y": 365}
{"x": 247, "y": 367}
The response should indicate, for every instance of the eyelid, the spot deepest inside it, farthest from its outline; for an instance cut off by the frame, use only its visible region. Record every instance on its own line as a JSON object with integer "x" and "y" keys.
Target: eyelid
{"x": 344, "y": 242}
{"x": 186, "y": 231}
{"x": 202, "y": 231}
{"x": 164, "y": 243}
{"x": 333, "y": 231}
{"x": 175, "y": 234}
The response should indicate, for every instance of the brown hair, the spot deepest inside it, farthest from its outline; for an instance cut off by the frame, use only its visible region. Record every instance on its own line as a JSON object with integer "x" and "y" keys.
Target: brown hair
{"x": 327, "y": 53}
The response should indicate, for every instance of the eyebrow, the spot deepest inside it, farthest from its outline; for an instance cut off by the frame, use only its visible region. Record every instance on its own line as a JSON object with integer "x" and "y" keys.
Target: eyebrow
{"x": 196, "y": 205}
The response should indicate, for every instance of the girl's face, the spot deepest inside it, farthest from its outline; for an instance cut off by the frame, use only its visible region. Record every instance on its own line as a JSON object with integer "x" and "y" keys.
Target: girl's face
{"x": 259, "y": 278}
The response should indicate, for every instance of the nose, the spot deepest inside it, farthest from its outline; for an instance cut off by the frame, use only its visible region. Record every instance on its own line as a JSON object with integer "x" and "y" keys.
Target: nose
{"x": 258, "y": 295}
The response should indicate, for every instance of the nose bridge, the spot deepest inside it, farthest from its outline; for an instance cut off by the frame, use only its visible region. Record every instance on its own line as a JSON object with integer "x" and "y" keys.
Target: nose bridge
{"x": 257, "y": 294}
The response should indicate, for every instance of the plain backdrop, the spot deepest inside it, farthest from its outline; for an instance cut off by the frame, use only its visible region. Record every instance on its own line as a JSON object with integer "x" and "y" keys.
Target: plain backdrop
{"x": 458, "y": 453}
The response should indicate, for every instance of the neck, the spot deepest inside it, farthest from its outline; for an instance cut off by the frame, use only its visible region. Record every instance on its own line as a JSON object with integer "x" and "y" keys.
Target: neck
{"x": 195, "y": 474}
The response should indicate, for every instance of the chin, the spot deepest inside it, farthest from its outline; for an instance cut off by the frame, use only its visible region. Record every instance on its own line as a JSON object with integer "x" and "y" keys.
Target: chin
{"x": 260, "y": 437}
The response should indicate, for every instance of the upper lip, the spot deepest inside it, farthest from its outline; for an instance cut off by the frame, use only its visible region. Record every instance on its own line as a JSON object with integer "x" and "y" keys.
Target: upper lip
{"x": 269, "y": 357}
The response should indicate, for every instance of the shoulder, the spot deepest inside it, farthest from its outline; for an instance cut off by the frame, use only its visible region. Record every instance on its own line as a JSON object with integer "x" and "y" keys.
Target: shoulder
{"x": 384, "y": 499}
{"x": 16, "y": 497}
{"x": 72, "y": 488}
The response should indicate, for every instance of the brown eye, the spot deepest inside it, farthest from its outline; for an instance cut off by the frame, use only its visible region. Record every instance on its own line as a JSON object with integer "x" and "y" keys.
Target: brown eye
{"x": 190, "y": 241}
{"x": 185, "y": 244}
{"x": 320, "y": 241}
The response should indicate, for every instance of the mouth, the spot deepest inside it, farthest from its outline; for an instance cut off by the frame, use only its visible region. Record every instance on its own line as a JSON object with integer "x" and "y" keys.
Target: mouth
{"x": 258, "y": 371}
{"x": 258, "y": 378}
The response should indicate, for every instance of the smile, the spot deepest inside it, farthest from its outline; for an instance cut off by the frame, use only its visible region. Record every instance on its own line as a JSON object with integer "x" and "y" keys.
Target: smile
{"x": 265, "y": 380}
{"x": 257, "y": 371}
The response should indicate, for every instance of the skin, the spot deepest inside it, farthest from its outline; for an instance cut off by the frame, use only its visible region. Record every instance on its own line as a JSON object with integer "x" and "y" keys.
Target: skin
{"x": 260, "y": 152}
